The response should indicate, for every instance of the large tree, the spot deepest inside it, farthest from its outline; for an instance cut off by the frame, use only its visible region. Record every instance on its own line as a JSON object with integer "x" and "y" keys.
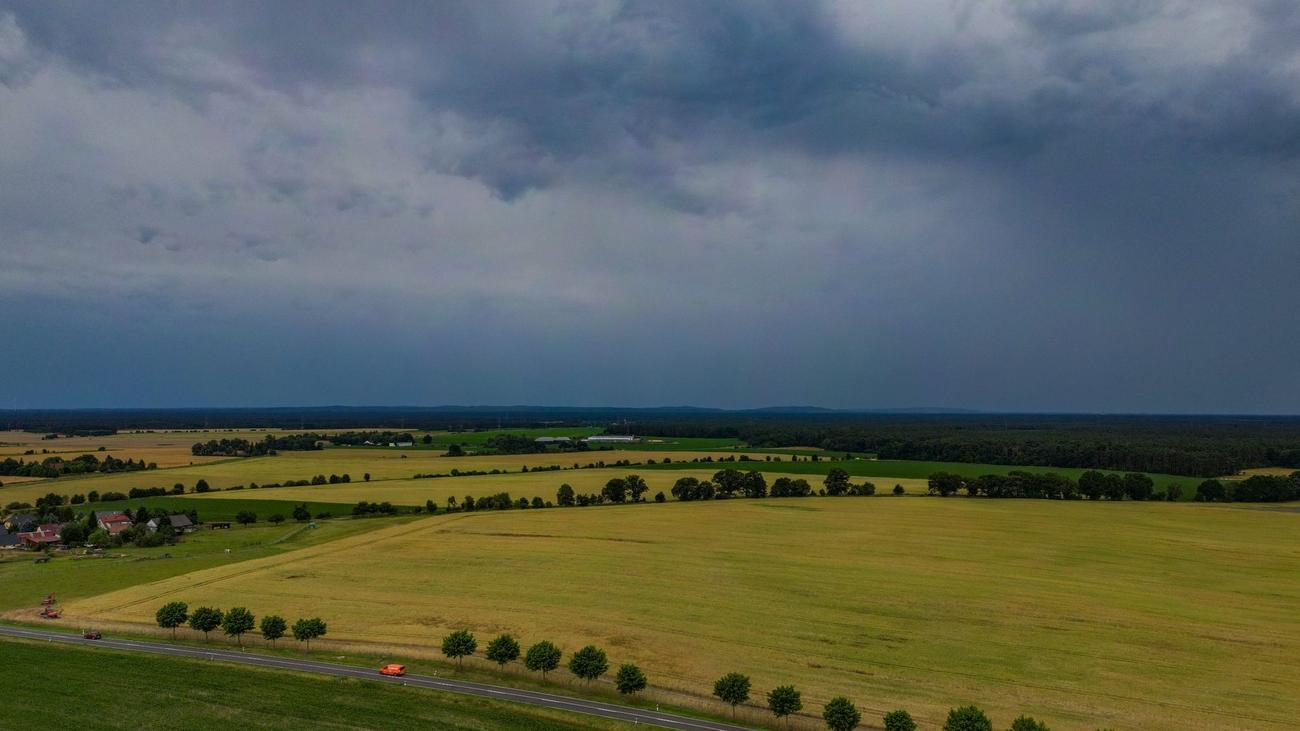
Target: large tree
{"x": 967, "y": 718}
{"x": 503, "y": 649}
{"x": 899, "y": 721}
{"x": 273, "y": 627}
{"x": 205, "y": 619}
{"x": 841, "y": 715}
{"x": 753, "y": 484}
{"x": 236, "y": 622}
{"x": 732, "y": 689}
{"x": 1025, "y": 723}
{"x": 307, "y": 629}
{"x": 629, "y": 679}
{"x": 543, "y": 657}
{"x": 589, "y": 663}
{"x": 636, "y": 486}
{"x": 615, "y": 490}
{"x": 458, "y": 645}
{"x": 784, "y": 700}
{"x": 564, "y": 496}
{"x": 836, "y": 482}
{"x": 172, "y": 615}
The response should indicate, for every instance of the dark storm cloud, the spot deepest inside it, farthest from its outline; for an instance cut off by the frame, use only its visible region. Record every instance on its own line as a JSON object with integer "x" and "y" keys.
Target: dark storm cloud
{"x": 1021, "y": 204}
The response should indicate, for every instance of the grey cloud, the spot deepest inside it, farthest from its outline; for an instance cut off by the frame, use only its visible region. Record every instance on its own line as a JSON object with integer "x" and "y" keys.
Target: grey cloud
{"x": 1021, "y": 204}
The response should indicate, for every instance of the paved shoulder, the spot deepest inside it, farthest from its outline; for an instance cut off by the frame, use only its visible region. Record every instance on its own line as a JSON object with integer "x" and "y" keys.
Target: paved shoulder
{"x": 515, "y": 695}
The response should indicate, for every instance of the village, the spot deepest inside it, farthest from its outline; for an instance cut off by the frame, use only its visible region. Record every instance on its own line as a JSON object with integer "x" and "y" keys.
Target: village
{"x": 65, "y": 531}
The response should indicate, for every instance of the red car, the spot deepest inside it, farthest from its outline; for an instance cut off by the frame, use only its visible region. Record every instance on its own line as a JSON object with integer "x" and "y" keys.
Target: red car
{"x": 393, "y": 669}
{"x": 91, "y": 634}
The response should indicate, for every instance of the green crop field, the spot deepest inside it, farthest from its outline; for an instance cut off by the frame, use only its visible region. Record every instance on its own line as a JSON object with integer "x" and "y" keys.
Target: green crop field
{"x": 1131, "y": 615}
{"x": 120, "y": 690}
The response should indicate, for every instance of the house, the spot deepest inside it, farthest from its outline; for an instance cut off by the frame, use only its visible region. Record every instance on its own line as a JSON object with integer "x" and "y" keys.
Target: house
{"x": 8, "y": 539}
{"x": 113, "y": 521}
{"x": 181, "y": 523}
{"x": 611, "y": 438}
{"x": 46, "y": 534}
{"x": 19, "y": 521}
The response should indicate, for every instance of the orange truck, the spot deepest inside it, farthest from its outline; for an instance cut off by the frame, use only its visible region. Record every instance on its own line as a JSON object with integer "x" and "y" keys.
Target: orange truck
{"x": 393, "y": 669}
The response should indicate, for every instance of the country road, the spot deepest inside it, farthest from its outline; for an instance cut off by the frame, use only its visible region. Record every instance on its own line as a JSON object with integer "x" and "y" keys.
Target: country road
{"x": 515, "y": 695}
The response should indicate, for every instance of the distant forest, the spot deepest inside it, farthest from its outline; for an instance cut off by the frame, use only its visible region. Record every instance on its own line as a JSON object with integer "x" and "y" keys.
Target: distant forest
{"x": 1203, "y": 446}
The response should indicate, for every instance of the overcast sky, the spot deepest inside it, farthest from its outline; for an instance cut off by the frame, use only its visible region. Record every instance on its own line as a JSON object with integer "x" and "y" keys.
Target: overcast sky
{"x": 1087, "y": 205}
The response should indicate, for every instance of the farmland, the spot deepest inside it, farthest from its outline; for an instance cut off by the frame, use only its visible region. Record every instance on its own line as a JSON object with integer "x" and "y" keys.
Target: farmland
{"x": 1135, "y": 615}
{"x": 238, "y": 696}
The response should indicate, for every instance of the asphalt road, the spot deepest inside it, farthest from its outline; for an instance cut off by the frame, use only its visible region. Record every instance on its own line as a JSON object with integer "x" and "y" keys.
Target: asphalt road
{"x": 514, "y": 695}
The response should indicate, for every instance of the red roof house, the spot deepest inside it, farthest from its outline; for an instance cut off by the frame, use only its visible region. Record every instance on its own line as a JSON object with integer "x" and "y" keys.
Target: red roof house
{"x": 44, "y": 534}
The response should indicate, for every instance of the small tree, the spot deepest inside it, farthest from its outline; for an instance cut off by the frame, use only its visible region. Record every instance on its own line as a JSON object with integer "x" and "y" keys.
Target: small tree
{"x": 629, "y": 679}
{"x": 836, "y": 482}
{"x": 543, "y": 657}
{"x": 245, "y": 517}
{"x": 430, "y": 507}
{"x": 276, "y": 519}
{"x": 236, "y": 622}
{"x": 172, "y": 615}
{"x": 459, "y": 644}
{"x": 589, "y": 663}
{"x": 732, "y": 689}
{"x": 899, "y": 721}
{"x": 201, "y": 486}
{"x": 305, "y": 630}
{"x": 205, "y": 619}
{"x": 1025, "y": 723}
{"x": 502, "y": 650}
{"x": 841, "y": 715}
{"x": 898, "y": 490}
{"x": 967, "y": 718}
{"x": 301, "y": 513}
{"x": 783, "y": 701}
{"x": 273, "y": 627}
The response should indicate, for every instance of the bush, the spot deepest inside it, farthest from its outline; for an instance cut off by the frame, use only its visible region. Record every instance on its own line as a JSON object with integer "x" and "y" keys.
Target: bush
{"x": 1025, "y": 723}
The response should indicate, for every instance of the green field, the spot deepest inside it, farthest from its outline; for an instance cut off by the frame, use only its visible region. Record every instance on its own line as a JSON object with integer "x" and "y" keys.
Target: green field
{"x": 25, "y": 583}
{"x": 1132, "y": 615}
{"x": 120, "y": 690}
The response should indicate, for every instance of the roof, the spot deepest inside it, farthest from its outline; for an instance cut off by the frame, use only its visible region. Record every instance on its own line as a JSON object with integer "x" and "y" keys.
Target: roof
{"x": 109, "y": 514}
{"x": 7, "y": 538}
{"x": 21, "y": 518}
{"x": 180, "y": 520}
{"x": 116, "y": 526}
{"x": 48, "y": 533}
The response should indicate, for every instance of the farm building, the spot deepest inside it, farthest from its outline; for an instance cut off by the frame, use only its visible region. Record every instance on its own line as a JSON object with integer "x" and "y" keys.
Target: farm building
{"x": 611, "y": 439}
{"x": 18, "y": 521}
{"x": 180, "y": 522}
{"x": 553, "y": 440}
{"x": 46, "y": 534}
{"x": 8, "y": 539}
{"x": 113, "y": 521}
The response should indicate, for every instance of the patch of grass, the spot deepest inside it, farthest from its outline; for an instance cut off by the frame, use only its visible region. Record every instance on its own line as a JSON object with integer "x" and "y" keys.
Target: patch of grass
{"x": 1132, "y": 615}
{"x": 128, "y": 690}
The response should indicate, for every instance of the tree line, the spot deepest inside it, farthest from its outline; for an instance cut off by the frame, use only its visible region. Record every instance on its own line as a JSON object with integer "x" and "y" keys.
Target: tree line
{"x": 238, "y": 447}
{"x": 84, "y": 464}
{"x": 236, "y": 622}
{"x": 1199, "y": 447}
